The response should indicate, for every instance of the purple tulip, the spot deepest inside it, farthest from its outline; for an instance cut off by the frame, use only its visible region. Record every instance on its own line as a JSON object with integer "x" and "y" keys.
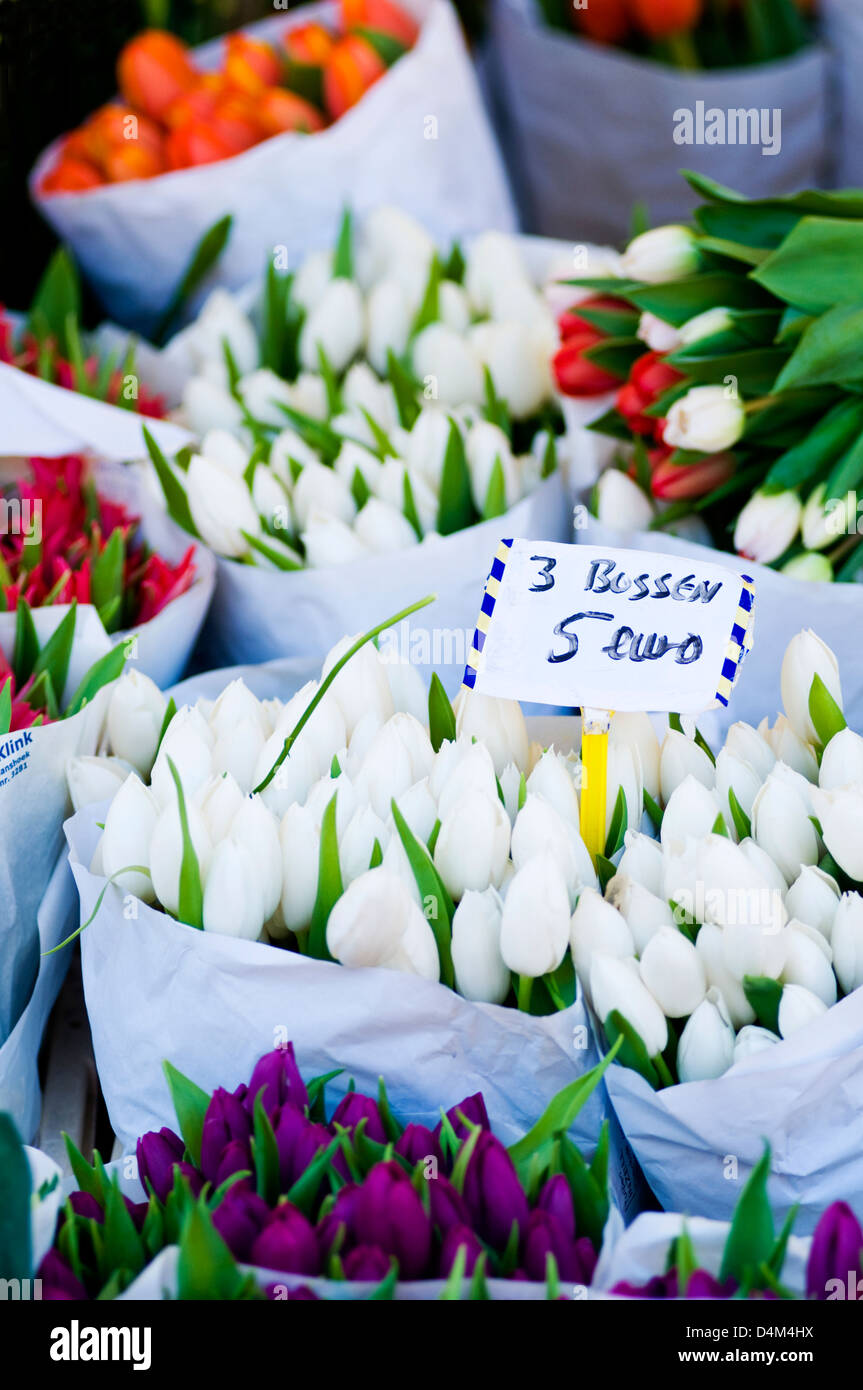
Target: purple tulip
{"x": 587, "y": 1259}
{"x": 419, "y": 1143}
{"x": 545, "y": 1236}
{"x": 157, "y": 1156}
{"x": 456, "y": 1238}
{"x": 287, "y": 1243}
{"x": 340, "y": 1216}
{"x": 660, "y": 1286}
{"x": 448, "y": 1207}
{"x": 239, "y": 1218}
{"x": 556, "y": 1198}
{"x": 137, "y": 1211}
{"x": 192, "y": 1176}
{"x": 837, "y": 1245}
{"x": 367, "y": 1262}
{"x": 236, "y": 1157}
{"x": 225, "y": 1122}
{"x": 58, "y": 1281}
{"x": 495, "y": 1198}
{"x": 703, "y": 1285}
{"x": 278, "y": 1076}
{"x": 389, "y": 1213}
{"x": 83, "y": 1204}
{"x": 299, "y": 1141}
{"x": 352, "y": 1108}
{"x": 473, "y": 1108}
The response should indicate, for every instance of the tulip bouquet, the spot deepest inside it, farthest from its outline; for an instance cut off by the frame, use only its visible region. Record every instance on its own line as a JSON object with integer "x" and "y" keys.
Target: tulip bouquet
{"x": 360, "y": 1197}
{"x": 386, "y": 397}
{"x": 175, "y": 115}
{"x": 744, "y": 409}
{"x": 691, "y": 33}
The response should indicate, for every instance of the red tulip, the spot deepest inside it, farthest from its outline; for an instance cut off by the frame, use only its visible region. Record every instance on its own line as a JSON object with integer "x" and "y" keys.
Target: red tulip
{"x": 649, "y": 378}
{"x": 384, "y": 15}
{"x": 574, "y": 373}
{"x": 660, "y": 18}
{"x": 675, "y": 482}
{"x": 352, "y": 67}
{"x": 278, "y": 110}
{"x": 570, "y": 321}
{"x": 607, "y": 21}
{"x": 70, "y": 175}
{"x": 153, "y": 70}
{"x": 309, "y": 44}
{"x": 198, "y": 103}
{"x": 250, "y": 65}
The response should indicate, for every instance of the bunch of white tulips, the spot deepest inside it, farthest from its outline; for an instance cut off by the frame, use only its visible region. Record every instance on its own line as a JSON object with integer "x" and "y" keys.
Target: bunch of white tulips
{"x": 744, "y": 922}
{"x": 397, "y": 398}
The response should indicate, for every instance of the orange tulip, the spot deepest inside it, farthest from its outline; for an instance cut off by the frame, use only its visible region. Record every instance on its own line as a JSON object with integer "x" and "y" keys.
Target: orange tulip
{"x": 70, "y": 175}
{"x": 194, "y": 143}
{"x": 199, "y": 102}
{"x": 606, "y": 21}
{"x": 384, "y": 15}
{"x": 131, "y": 161}
{"x": 250, "y": 65}
{"x": 112, "y": 128}
{"x": 153, "y": 70}
{"x": 352, "y": 68}
{"x": 235, "y": 122}
{"x": 658, "y": 19}
{"x": 308, "y": 43}
{"x": 278, "y": 110}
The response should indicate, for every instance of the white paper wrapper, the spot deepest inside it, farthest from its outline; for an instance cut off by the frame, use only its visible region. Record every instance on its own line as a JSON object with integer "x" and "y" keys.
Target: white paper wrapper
{"x": 19, "y": 1078}
{"x": 33, "y": 804}
{"x": 842, "y": 27}
{"x": 135, "y": 239}
{"x": 783, "y": 606}
{"x": 640, "y": 1253}
{"x": 156, "y": 990}
{"x": 697, "y": 1143}
{"x": 576, "y": 172}
{"x": 258, "y": 615}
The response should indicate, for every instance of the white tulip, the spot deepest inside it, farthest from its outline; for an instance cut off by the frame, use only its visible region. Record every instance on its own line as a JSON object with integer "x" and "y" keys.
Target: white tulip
{"x": 446, "y": 760}
{"x": 681, "y": 886}
{"x": 396, "y": 862}
{"x": 427, "y": 445}
{"x": 473, "y": 844}
{"x": 751, "y": 1040}
{"x": 842, "y": 762}
{"x": 329, "y": 542}
{"x": 235, "y": 703}
{"x": 809, "y": 566}
{"x": 270, "y": 498}
{"x": 312, "y": 278}
{"x": 768, "y": 870}
{"x": 814, "y": 898}
{"x": 377, "y": 923}
{"x": 357, "y": 844}
{"x": 781, "y": 826}
{"x": 809, "y": 961}
{"x": 661, "y": 254}
{"x": 840, "y": 815}
{"x": 319, "y": 488}
{"x": 486, "y": 446}
{"x": 499, "y": 724}
{"x": 751, "y": 948}
{"x": 798, "y": 1007}
{"x": 361, "y": 687}
{"x": 706, "y": 1047}
{"x": 746, "y": 744}
{"x": 681, "y": 757}
{"x": 294, "y": 776}
{"x": 166, "y": 852}
{"x": 355, "y": 458}
{"x": 709, "y": 946}
{"x": 516, "y": 300}
{"x": 706, "y": 325}
{"x": 388, "y": 322}
{"x": 221, "y": 319}
{"x": 136, "y": 712}
{"x": 597, "y": 926}
{"x": 615, "y": 984}
{"x": 708, "y": 420}
{"x": 621, "y": 503}
{"x": 262, "y": 393}
{"x": 386, "y": 771}
{"x": 256, "y": 829}
{"x": 552, "y": 780}
{"x": 362, "y": 737}
{"x": 638, "y": 731}
{"x": 643, "y": 912}
{"x": 671, "y": 969}
{"x": 362, "y": 390}
{"x": 847, "y": 939}
{"x": 642, "y": 861}
{"x": 336, "y": 324}
{"x": 517, "y": 358}
{"x": 127, "y": 837}
{"x": 324, "y": 732}
{"x": 188, "y": 742}
{"x": 238, "y": 752}
{"x": 539, "y": 829}
{"x": 289, "y": 446}
{"x": 480, "y": 970}
{"x": 386, "y": 239}
{"x": 407, "y": 689}
{"x": 218, "y": 801}
{"x": 383, "y": 529}
{"x": 419, "y": 810}
{"x": 474, "y": 771}
{"x": 623, "y": 773}
{"x": 491, "y": 258}
{"x": 300, "y": 845}
{"x": 732, "y": 774}
{"x": 534, "y": 931}
{"x": 510, "y": 785}
{"x": 734, "y": 891}
{"x": 232, "y": 896}
{"x": 322, "y": 793}
{"x": 805, "y": 657}
{"x": 658, "y": 335}
{"x": 209, "y": 406}
{"x": 93, "y": 779}
{"x": 309, "y": 396}
{"x": 446, "y": 362}
{"x": 691, "y": 810}
{"x": 221, "y": 507}
{"x": 790, "y": 748}
{"x": 454, "y": 306}
{"x": 223, "y": 447}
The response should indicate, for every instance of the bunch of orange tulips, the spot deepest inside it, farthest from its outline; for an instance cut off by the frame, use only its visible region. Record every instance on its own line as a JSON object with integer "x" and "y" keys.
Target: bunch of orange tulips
{"x": 673, "y": 24}
{"x": 172, "y": 115}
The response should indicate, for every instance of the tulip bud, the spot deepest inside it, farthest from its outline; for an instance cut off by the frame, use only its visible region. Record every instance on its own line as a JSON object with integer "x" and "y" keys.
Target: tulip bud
{"x": 329, "y": 542}
{"x": 623, "y": 773}
{"x": 221, "y": 507}
{"x": 781, "y": 826}
{"x": 706, "y": 420}
{"x": 361, "y": 687}
{"x": 207, "y": 405}
{"x": 813, "y": 568}
{"x": 358, "y": 842}
{"x": 751, "y": 1040}
{"x": 449, "y": 360}
{"x": 166, "y": 852}
{"x": 662, "y": 254}
{"x": 842, "y": 761}
{"x": 92, "y": 779}
{"x": 790, "y": 749}
{"x": 808, "y": 961}
{"x": 493, "y": 1193}
{"x": 671, "y": 969}
{"x": 287, "y": 1243}
{"x": 136, "y": 712}
{"x": 383, "y": 529}
{"x": 158, "y": 1154}
{"x": 840, "y": 814}
{"x": 336, "y": 324}
{"x": 539, "y": 829}
{"x": 389, "y": 1214}
{"x": 734, "y": 775}
{"x": 469, "y": 769}
{"x": 847, "y": 941}
{"x": 299, "y": 841}
{"x": 427, "y": 445}
{"x": 552, "y": 780}
{"x": 498, "y": 724}
{"x": 814, "y": 898}
{"x": 129, "y": 827}
{"x": 534, "y": 929}
{"x": 638, "y": 731}
{"x": 643, "y": 912}
{"x": 641, "y": 861}
{"x": 706, "y": 1047}
{"x": 621, "y": 504}
{"x": 681, "y": 757}
{"x": 218, "y": 801}
{"x": 418, "y": 808}
{"x": 658, "y": 335}
{"x": 691, "y": 810}
{"x": 237, "y": 753}
{"x": 805, "y": 657}
{"x": 835, "y": 1254}
{"x": 222, "y": 320}
{"x": 480, "y": 970}
{"x": 798, "y": 1007}
{"x": 256, "y": 829}
{"x": 232, "y": 897}
{"x": 287, "y": 446}
{"x": 485, "y": 448}
{"x": 746, "y": 744}
{"x": 376, "y": 922}
{"x": 709, "y": 945}
{"x": 188, "y": 743}
{"x": 473, "y": 844}
{"x": 707, "y": 325}
{"x": 615, "y": 984}
{"x": 597, "y": 926}
{"x": 388, "y": 317}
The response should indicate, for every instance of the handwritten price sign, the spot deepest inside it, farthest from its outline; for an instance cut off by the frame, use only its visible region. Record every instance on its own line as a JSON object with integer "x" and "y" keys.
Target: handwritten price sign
{"x": 610, "y": 629}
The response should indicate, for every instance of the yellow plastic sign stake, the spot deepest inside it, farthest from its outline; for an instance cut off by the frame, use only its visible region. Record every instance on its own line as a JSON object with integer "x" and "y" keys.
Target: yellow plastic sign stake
{"x": 595, "y": 725}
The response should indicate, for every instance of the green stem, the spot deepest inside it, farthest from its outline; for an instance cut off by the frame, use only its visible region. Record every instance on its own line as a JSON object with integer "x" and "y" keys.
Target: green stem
{"x": 524, "y": 991}
{"x": 683, "y": 51}
{"x": 328, "y": 680}
{"x": 661, "y": 1066}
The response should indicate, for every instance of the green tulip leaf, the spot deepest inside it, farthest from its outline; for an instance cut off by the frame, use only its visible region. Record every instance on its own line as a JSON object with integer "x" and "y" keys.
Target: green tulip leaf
{"x": 203, "y": 258}
{"x": 330, "y": 883}
{"x": 560, "y": 1113}
{"x": 764, "y": 996}
{"x": 174, "y": 493}
{"x": 331, "y": 385}
{"x": 206, "y": 1269}
{"x": 589, "y": 1195}
{"x": 278, "y": 555}
{"x": 819, "y": 264}
{"x": 429, "y": 310}
{"x": 742, "y": 823}
{"x": 6, "y": 706}
{"x": 441, "y": 714}
{"x": 343, "y": 259}
{"x": 54, "y": 657}
{"x": 818, "y": 450}
{"x": 433, "y": 894}
{"x": 409, "y": 506}
{"x": 191, "y": 898}
{"x": 455, "y": 508}
{"x": 630, "y": 1047}
{"x": 26, "y": 644}
{"x": 496, "y": 410}
{"x": 653, "y": 810}
{"x": 405, "y": 389}
{"x": 617, "y": 828}
{"x": 495, "y": 497}
{"x": 824, "y": 712}
{"x": 265, "y": 1155}
{"x": 190, "y": 1106}
{"x": 751, "y": 1239}
{"x": 100, "y": 674}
